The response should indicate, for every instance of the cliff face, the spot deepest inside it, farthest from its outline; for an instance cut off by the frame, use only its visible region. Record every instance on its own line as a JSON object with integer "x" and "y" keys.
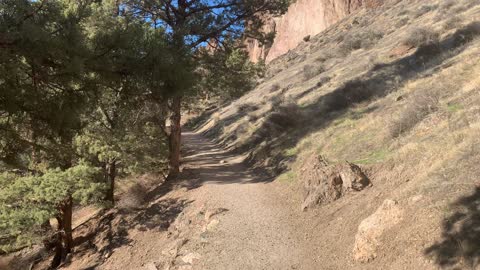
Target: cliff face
{"x": 303, "y": 18}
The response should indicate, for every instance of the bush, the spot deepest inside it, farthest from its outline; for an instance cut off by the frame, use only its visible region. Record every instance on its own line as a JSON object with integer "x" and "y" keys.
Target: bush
{"x": 424, "y": 10}
{"x": 452, "y": 23}
{"x": 420, "y": 37}
{"x": 352, "y": 92}
{"x": 275, "y": 87}
{"x": 283, "y": 117}
{"x": 312, "y": 71}
{"x": 423, "y": 102}
{"x": 466, "y": 34}
{"x": 246, "y": 108}
{"x": 360, "y": 40}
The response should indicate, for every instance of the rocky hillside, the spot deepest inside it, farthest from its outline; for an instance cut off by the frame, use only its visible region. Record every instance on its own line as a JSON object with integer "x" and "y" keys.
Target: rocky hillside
{"x": 395, "y": 92}
{"x": 303, "y": 19}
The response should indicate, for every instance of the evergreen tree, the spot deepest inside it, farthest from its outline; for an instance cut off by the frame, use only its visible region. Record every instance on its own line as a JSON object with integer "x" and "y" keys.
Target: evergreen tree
{"x": 190, "y": 25}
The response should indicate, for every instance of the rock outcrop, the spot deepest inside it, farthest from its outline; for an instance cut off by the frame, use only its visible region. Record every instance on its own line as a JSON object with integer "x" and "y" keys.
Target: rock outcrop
{"x": 372, "y": 228}
{"x": 325, "y": 183}
{"x": 303, "y": 18}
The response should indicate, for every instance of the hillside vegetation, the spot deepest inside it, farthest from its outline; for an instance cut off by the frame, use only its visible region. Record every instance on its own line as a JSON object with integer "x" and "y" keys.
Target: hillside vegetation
{"x": 396, "y": 91}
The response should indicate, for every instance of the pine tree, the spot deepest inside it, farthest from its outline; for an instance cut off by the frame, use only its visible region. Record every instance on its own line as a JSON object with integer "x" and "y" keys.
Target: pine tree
{"x": 190, "y": 25}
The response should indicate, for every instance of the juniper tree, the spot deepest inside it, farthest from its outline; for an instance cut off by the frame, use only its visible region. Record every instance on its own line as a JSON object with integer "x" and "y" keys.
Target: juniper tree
{"x": 44, "y": 91}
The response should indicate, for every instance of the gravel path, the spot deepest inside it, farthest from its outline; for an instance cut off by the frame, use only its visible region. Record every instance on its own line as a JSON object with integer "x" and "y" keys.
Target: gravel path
{"x": 260, "y": 228}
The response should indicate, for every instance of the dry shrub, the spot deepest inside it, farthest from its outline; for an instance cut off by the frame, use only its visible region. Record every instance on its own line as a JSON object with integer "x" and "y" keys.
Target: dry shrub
{"x": 275, "y": 87}
{"x": 422, "y": 103}
{"x": 452, "y": 23}
{"x": 359, "y": 40}
{"x": 134, "y": 197}
{"x": 312, "y": 71}
{"x": 246, "y": 108}
{"x": 466, "y": 34}
{"x": 283, "y": 117}
{"x": 421, "y": 37}
{"x": 424, "y": 10}
{"x": 351, "y": 93}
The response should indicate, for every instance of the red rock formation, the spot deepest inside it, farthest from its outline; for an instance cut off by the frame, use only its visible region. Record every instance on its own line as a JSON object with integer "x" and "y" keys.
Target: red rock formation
{"x": 303, "y": 18}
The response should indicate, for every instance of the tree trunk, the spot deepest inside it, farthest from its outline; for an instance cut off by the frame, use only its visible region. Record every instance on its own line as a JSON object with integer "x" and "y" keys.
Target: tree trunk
{"x": 111, "y": 172}
{"x": 64, "y": 235}
{"x": 175, "y": 137}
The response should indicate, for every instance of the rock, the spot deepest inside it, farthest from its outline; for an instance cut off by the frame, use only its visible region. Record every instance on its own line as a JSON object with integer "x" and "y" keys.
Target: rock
{"x": 212, "y": 225}
{"x": 325, "y": 183}
{"x": 150, "y": 266}
{"x": 191, "y": 258}
{"x": 371, "y": 229}
{"x": 223, "y": 161}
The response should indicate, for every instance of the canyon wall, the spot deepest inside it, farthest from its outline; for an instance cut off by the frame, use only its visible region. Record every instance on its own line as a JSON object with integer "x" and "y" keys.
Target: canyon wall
{"x": 303, "y": 18}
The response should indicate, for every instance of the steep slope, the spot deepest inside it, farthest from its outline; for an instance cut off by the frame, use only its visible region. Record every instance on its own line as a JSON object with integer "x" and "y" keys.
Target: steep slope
{"x": 396, "y": 91}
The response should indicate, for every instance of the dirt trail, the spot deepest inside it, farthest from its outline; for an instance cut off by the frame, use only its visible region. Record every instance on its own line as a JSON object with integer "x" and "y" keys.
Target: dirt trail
{"x": 259, "y": 230}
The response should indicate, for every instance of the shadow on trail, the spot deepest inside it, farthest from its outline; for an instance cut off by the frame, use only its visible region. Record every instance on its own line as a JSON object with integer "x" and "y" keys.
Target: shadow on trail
{"x": 460, "y": 242}
{"x": 211, "y": 163}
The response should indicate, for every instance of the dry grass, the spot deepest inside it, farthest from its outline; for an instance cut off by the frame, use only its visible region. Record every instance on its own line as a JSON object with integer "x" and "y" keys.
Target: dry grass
{"x": 420, "y": 104}
{"x": 310, "y": 71}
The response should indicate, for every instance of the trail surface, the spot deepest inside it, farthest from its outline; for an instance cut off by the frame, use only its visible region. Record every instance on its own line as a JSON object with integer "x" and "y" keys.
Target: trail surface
{"x": 259, "y": 229}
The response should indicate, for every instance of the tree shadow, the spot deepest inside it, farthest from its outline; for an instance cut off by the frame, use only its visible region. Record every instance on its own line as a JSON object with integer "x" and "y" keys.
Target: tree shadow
{"x": 460, "y": 244}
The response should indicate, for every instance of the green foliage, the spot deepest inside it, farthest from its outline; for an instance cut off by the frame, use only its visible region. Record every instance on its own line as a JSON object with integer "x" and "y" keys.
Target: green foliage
{"x": 227, "y": 74}
{"x": 27, "y": 202}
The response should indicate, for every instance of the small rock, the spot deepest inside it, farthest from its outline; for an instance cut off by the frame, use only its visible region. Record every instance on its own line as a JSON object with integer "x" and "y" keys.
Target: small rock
{"x": 191, "y": 258}
{"x": 223, "y": 161}
{"x": 212, "y": 225}
{"x": 417, "y": 198}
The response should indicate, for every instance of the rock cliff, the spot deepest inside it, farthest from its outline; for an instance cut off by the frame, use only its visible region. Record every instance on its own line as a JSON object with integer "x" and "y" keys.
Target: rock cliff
{"x": 303, "y": 18}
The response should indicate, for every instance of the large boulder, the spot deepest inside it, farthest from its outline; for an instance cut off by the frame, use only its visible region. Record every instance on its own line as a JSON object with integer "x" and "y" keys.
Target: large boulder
{"x": 324, "y": 183}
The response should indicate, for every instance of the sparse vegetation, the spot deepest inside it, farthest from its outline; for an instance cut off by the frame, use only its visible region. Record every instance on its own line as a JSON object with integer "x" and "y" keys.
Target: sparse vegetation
{"x": 422, "y": 102}
{"x": 452, "y": 23}
{"x": 421, "y": 37}
{"x": 361, "y": 40}
{"x": 310, "y": 71}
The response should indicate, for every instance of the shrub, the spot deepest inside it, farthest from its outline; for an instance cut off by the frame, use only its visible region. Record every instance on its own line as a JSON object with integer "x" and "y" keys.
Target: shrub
{"x": 352, "y": 92}
{"x": 275, "y": 87}
{"x": 423, "y": 102}
{"x": 283, "y": 117}
{"x": 466, "y": 34}
{"x": 246, "y": 108}
{"x": 360, "y": 40}
{"x": 452, "y": 23}
{"x": 310, "y": 71}
{"x": 424, "y": 10}
{"x": 420, "y": 37}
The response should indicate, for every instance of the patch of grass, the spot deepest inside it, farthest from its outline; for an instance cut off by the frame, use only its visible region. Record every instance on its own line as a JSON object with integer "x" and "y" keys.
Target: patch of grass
{"x": 291, "y": 152}
{"x": 275, "y": 87}
{"x": 288, "y": 177}
{"x": 453, "y": 108}
{"x": 374, "y": 157}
